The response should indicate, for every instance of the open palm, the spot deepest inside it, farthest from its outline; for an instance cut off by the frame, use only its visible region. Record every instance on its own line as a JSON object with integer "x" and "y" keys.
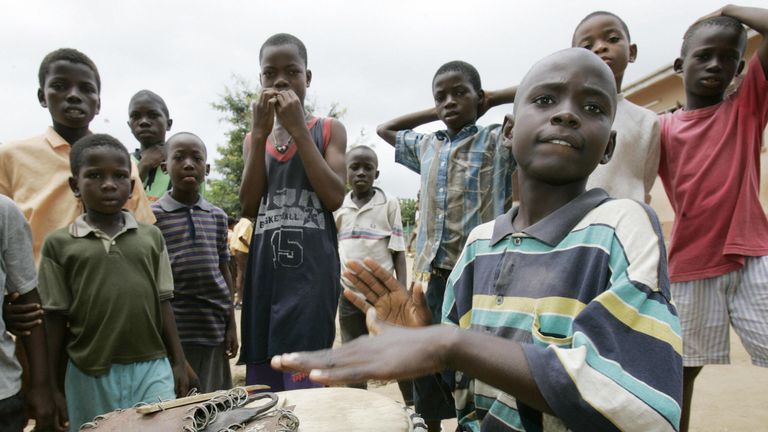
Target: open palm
{"x": 380, "y": 290}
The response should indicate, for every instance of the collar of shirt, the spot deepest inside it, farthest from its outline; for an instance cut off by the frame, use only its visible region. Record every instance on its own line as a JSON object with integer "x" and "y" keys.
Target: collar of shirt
{"x": 553, "y": 228}
{"x": 378, "y": 198}
{"x": 81, "y": 228}
{"x": 54, "y": 139}
{"x": 466, "y": 131}
{"x": 168, "y": 204}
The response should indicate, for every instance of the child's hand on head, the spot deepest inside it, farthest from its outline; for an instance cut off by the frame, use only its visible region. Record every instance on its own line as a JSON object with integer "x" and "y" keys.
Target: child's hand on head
{"x": 290, "y": 112}
{"x": 264, "y": 112}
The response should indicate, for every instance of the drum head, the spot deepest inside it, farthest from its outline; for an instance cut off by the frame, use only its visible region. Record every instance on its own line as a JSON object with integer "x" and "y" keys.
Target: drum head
{"x": 346, "y": 409}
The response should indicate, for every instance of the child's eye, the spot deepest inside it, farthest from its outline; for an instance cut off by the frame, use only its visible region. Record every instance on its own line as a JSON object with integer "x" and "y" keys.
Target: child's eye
{"x": 613, "y": 39}
{"x": 593, "y": 108}
{"x": 268, "y": 74}
{"x": 587, "y": 46}
{"x": 544, "y": 100}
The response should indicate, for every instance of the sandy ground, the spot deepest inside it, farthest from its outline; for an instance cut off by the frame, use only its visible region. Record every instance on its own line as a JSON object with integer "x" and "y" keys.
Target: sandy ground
{"x": 727, "y": 397}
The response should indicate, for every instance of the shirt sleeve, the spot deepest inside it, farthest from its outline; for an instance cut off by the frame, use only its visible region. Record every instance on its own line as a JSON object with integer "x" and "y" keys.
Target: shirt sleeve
{"x": 752, "y": 95}
{"x": 223, "y": 232}
{"x": 138, "y": 204}
{"x": 396, "y": 241}
{"x": 652, "y": 158}
{"x": 54, "y": 291}
{"x": 17, "y": 259}
{"x": 408, "y": 149}
{"x": 164, "y": 273}
{"x": 621, "y": 367}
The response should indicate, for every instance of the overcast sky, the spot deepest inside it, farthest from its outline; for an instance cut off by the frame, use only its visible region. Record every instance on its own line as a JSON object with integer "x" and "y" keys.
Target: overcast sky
{"x": 376, "y": 59}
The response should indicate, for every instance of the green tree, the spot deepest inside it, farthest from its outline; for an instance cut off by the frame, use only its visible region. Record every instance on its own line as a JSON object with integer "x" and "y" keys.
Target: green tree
{"x": 408, "y": 212}
{"x": 235, "y": 108}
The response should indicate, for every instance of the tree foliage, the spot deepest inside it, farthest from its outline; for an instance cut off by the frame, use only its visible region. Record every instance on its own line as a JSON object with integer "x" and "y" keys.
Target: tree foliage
{"x": 408, "y": 212}
{"x": 235, "y": 108}
{"x": 234, "y": 105}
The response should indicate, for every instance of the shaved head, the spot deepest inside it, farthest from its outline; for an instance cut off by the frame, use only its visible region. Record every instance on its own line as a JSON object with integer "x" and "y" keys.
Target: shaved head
{"x": 567, "y": 60}
{"x": 188, "y": 137}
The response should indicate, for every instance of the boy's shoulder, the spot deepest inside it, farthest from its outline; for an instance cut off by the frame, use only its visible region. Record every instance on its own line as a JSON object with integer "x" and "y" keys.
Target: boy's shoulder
{"x": 26, "y": 145}
{"x": 635, "y": 112}
{"x": 620, "y": 213}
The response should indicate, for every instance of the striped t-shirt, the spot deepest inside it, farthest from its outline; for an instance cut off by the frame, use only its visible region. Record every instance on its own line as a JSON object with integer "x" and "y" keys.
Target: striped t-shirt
{"x": 586, "y": 291}
{"x": 196, "y": 237}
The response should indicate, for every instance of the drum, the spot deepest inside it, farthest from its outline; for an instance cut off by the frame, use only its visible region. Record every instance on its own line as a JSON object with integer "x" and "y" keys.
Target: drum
{"x": 347, "y": 409}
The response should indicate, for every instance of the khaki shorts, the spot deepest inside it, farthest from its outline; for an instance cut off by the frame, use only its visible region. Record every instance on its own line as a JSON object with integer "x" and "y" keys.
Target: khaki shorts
{"x": 708, "y": 307}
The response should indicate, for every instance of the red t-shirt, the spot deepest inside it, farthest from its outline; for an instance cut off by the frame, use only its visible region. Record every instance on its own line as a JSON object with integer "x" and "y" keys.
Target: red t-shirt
{"x": 710, "y": 168}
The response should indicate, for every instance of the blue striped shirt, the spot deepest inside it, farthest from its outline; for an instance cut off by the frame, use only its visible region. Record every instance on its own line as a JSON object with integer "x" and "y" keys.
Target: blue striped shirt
{"x": 196, "y": 238}
{"x": 586, "y": 291}
{"x": 465, "y": 181}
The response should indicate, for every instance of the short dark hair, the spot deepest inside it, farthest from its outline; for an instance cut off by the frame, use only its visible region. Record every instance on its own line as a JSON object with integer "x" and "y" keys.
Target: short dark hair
{"x": 178, "y": 134}
{"x": 68, "y": 54}
{"x": 285, "y": 39}
{"x": 464, "y": 68}
{"x": 154, "y": 96}
{"x": 723, "y": 22}
{"x": 605, "y": 13}
{"x": 364, "y": 149}
{"x": 90, "y": 142}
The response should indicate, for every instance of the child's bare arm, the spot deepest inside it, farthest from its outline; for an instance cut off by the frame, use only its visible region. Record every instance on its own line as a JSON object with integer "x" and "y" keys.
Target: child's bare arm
{"x": 497, "y": 97}
{"x": 254, "y": 179}
{"x": 325, "y": 174}
{"x": 21, "y": 317}
{"x": 487, "y": 358}
{"x": 388, "y": 130}
{"x": 757, "y": 19}
{"x": 56, "y": 335}
{"x": 398, "y": 257}
{"x": 231, "y": 345}
{"x": 39, "y": 394}
{"x": 175, "y": 352}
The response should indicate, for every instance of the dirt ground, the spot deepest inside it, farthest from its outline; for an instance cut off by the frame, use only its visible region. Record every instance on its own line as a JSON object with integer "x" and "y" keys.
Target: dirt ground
{"x": 727, "y": 397}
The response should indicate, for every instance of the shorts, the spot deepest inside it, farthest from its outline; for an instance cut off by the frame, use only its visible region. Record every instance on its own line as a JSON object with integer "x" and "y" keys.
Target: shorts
{"x": 708, "y": 307}
{"x": 12, "y": 417}
{"x": 211, "y": 365}
{"x": 123, "y": 386}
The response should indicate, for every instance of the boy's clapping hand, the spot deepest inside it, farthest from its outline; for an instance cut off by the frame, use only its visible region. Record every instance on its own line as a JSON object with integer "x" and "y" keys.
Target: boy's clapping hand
{"x": 381, "y": 291}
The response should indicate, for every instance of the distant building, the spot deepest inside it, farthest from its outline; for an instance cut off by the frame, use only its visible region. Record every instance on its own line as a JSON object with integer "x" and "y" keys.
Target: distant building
{"x": 662, "y": 91}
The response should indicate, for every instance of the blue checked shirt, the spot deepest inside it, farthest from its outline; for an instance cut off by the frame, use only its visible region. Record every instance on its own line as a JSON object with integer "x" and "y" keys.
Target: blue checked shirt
{"x": 465, "y": 181}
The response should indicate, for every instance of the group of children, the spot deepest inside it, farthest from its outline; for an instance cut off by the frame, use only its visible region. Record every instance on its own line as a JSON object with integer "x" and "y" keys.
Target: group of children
{"x": 574, "y": 323}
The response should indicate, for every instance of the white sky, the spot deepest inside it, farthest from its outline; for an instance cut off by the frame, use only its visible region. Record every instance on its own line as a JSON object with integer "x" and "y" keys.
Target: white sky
{"x": 376, "y": 59}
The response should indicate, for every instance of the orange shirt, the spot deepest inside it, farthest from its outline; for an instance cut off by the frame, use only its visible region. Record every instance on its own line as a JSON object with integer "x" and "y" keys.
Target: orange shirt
{"x": 35, "y": 174}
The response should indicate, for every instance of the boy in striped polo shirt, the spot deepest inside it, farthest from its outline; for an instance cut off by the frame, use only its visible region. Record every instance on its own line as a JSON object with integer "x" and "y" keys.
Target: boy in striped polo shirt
{"x": 196, "y": 234}
{"x": 558, "y": 313}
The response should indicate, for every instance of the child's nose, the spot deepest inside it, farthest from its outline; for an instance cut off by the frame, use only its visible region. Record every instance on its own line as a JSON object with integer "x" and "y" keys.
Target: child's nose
{"x": 566, "y": 117}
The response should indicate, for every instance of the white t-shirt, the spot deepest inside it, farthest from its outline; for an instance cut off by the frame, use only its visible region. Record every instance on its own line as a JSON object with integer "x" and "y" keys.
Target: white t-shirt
{"x": 635, "y": 162}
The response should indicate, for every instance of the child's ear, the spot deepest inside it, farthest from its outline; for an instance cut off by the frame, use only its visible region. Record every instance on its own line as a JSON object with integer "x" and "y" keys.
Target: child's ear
{"x": 609, "y": 148}
{"x": 740, "y": 68}
{"x": 74, "y": 187}
{"x": 632, "y": 53}
{"x": 133, "y": 184}
{"x": 309, "y": 77}
{"x": 207, "y": 169}
{"x": 41, "y": 98}
{"x": 376, "y": 175}
{"x": 164, "y": 167}
{"x": 168, "y": 126}
{"x": 98, "y": 106}
{"x": 678, "y": 65}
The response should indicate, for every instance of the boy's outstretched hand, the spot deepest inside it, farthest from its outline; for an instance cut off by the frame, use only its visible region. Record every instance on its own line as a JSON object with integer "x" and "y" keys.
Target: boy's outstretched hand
{"x": 389, "y": 353}
{"x": 381, "y": 291}
{"x": 20, "y": 319}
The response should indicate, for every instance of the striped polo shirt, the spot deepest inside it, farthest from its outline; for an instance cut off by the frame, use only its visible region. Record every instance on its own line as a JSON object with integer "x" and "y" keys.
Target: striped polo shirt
{"x": 196, "y": 237}
{"x": 586, "y": 291}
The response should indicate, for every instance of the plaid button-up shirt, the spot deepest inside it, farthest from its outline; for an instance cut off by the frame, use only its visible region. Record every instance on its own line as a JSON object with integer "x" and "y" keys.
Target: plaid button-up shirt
{"x": 465, "y": 181}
